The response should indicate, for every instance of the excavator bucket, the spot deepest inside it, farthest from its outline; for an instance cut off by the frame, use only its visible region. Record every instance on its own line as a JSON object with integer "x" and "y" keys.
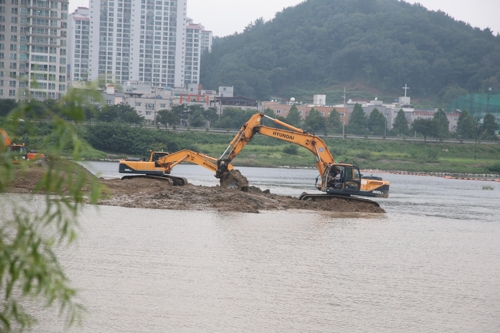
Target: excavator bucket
{"x": 234, "y": 179}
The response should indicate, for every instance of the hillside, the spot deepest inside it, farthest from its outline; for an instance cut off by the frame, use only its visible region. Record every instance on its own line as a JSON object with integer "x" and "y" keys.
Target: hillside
{"x": 370, "y": 46}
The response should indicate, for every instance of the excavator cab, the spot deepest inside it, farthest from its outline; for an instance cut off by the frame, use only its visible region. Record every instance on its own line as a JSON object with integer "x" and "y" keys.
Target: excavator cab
{"x": 19, "y": 151}
{"x": 341, "y": 179}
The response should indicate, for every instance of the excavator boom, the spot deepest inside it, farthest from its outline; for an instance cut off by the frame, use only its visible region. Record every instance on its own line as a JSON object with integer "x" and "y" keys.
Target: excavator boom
{"x": 160, "y": 165}
{"x": 5, "y": 138}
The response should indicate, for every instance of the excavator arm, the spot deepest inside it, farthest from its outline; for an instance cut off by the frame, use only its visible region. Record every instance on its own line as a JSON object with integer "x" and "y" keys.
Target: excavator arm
{"x": 168, "y": 162}
{"x": 5, "y": 138}
{"x": 160, "y": 165}
{"x": 294, "y": 135}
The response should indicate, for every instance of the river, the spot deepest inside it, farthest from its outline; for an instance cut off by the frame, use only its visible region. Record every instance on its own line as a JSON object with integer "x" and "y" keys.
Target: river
{"x": 431, "y": 264}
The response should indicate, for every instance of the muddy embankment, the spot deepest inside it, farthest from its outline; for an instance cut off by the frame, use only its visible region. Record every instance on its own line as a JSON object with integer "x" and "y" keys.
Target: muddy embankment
{"x": 157, "y": 194}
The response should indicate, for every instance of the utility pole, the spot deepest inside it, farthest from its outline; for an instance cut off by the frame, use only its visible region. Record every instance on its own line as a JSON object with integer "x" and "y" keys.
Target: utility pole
{"x": 155, "y": 90}
{"x": 343, "y": 121}
{"x": 488, "y": 101}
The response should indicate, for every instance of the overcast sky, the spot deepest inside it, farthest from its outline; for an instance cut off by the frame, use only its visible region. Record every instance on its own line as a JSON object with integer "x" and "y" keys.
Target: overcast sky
{"x": 225, "y": 17}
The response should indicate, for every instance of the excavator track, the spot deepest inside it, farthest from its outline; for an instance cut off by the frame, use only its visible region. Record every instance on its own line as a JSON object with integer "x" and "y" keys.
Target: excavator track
{"x": 323, "y": 197}
{"x": 172, "y": 180}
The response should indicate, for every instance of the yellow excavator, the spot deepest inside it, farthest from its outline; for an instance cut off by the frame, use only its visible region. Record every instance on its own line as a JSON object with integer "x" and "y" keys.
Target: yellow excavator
{"x": 19, "y": 150}
{"x": 160, "y": 164}
{"x": 335, "y": 179}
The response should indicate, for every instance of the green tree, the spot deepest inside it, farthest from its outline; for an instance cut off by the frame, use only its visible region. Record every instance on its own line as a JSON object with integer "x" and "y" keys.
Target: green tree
{"x": 120, "y": 113}
{"x": 357, "y": 121}
{"x": 333, "y": 121}
{"x": 211, "y": 115}
{"x": 441, "y": 124}
{"x": 293, "y": 118}
{"x": 30, "y": 271}
{"x": 377, "y": 122}
{"x": 466, "y": 126}
{"x": 167, "y": 117}
{"x": 489, "y": 127}
{"x": 197, "y": 119}
{"x": 181, "y": 111}
{"x": 7, "y": 105}
{"x": 234, "y": 117}
{"x": 426, "y": 127}
{"x": 400, "y": 126}
{"x": 315, "y": 121}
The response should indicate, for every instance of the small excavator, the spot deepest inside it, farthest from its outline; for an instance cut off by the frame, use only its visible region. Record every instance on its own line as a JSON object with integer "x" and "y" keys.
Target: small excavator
{"x": 160, "y": 164}
{"x": 19, "y": 150}
{"x": 335, "y": 179}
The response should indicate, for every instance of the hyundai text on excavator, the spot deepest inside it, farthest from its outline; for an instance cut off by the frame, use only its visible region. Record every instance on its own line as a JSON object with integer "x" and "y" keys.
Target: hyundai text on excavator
{"x": 350, "y": 182}
{"x": 160, "y": 164}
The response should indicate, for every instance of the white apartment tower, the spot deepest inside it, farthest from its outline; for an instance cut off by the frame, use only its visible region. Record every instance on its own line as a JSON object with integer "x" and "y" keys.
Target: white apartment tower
{"x": 140, "y": 40}
{"x": 79, "y": 44}
{"x": 206, "y": 41}
{"x": 193, "y": 52}
{"x": 33, "y": 37}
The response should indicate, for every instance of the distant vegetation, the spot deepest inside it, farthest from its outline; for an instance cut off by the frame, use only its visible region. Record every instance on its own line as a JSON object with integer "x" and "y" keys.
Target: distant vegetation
{"x": 117, "y": 140}
{"x": 319, "y": 46}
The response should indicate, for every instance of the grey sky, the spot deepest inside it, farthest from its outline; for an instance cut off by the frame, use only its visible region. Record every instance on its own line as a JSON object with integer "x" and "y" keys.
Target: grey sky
{"x": 225, "y": 17}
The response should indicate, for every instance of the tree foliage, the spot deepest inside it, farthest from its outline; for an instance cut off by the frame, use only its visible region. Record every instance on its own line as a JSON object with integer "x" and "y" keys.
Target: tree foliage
{"x": 466, "y": 126}
{"x": 315, "y": 122}
{"x": 29, "y": 267}
{"x": 120, "y": 113}
{"x": 167, "y": 117}
{"x": 377, "y": 123}
{"x": 400, "y": 126}
{"x": 357, "y": 121}
{"x": 293, "y": 118}
{"x": 441, "y": 124}
{"x": 333, "y": 121}
{"x": 489, "y": 127}
{"x": 426, "y": 127}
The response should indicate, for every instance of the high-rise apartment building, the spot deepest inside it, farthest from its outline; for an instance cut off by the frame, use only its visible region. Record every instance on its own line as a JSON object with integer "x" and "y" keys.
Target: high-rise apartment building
{"x": 140, "y": 40}
{"x": 206, "y": 41}
{"x": 193, "y": 52}
{"x": 79, "y": 44}
{"x": 33, "y": 38}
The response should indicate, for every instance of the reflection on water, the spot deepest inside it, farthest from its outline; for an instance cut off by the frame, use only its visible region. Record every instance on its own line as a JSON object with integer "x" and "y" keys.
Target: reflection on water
{"x": 431, "y": 264}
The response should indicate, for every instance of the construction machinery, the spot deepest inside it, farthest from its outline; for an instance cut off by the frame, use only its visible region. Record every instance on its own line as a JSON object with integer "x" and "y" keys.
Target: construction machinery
{"x": 19, "y": 150}
{"x": 349, "y": 182}
{"x": 160, "y": 164}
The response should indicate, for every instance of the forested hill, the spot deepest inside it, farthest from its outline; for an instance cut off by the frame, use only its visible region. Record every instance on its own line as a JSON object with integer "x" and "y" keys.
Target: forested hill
{"x": 321, "y": 45}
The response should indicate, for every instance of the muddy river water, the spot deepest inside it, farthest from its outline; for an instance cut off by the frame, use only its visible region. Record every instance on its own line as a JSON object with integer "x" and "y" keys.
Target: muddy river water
{"x": 430, "y": 264}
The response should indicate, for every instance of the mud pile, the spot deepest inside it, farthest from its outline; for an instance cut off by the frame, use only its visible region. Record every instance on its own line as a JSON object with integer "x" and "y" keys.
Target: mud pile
{"x": 157, "y": 194}
{"x": 148, "y": 193}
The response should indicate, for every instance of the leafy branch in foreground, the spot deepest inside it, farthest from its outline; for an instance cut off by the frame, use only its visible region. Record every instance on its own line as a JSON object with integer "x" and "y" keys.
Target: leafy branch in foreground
{"x": 31, "y": 226}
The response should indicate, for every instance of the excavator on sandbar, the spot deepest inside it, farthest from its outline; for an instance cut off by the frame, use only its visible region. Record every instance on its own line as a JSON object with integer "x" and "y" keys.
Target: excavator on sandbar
{"x": 335, "y": 179}
{"x": 19, "y": 150}
{"x": 160, "y": 164}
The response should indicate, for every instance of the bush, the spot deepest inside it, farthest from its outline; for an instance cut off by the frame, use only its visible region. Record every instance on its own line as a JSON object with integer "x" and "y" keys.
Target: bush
{"x": 494, "y": 167}
{"x": 366, "y": 154}
{"x": 292, "y": 150}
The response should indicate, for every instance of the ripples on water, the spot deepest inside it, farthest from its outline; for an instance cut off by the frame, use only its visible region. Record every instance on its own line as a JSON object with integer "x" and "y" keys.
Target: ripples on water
{"x": 431, "y": 264}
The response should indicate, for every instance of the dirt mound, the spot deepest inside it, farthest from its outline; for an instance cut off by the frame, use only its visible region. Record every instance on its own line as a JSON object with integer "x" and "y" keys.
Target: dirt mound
{"x": 158, "y": 194}
{"x": 147, "y": 193}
